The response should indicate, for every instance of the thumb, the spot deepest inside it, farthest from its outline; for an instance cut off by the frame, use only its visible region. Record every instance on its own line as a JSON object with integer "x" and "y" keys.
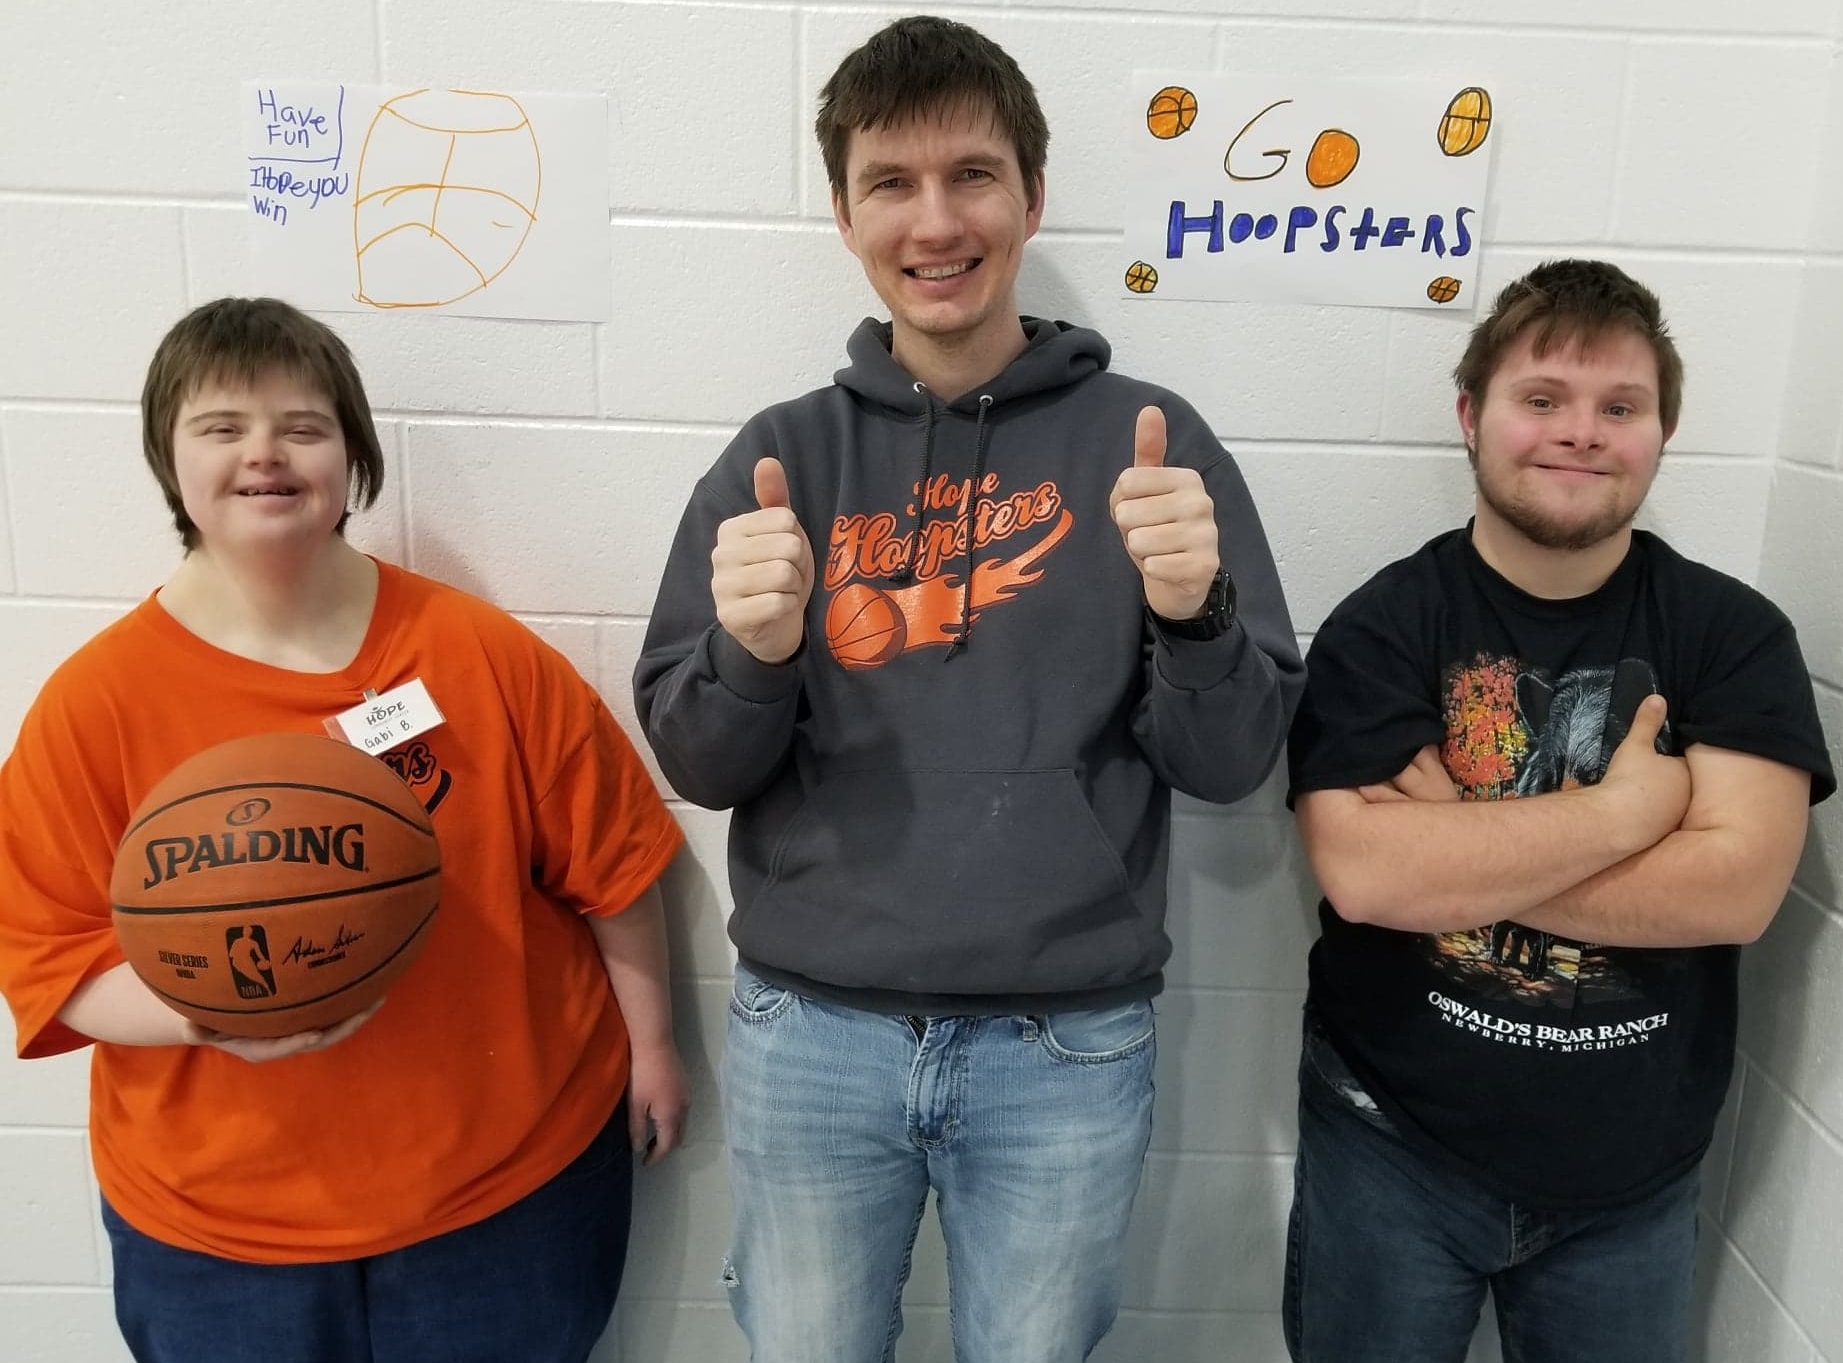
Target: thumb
{"x": 770, "y": 483}
{"x": 1647, "y": 721}
{"x": 1149, "y": 439}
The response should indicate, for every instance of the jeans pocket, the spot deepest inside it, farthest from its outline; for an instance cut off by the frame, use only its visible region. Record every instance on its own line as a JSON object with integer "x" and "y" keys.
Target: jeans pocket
{"x": 1095, "y": 1036}
{"x": 757, "y": 1001}
{"x": 1321, "y": 1066}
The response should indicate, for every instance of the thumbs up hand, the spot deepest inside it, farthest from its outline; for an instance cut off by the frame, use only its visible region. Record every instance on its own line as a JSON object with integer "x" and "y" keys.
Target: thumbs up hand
{"x": 1167, "y": 523}
{"x": 762, "y": 571}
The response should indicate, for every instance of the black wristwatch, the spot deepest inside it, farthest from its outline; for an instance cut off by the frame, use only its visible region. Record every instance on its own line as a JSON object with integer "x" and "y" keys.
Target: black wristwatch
{"x": 1218, "y": 613}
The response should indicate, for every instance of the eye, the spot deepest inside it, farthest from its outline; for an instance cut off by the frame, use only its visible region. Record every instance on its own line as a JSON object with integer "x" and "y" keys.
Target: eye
{"x": 1540, "y": 403}
{"x": 975, "y": 173}
{"x": 892, "y": 183}
{"x": 220, "y": 428}
{"x": 1621, "y": 409}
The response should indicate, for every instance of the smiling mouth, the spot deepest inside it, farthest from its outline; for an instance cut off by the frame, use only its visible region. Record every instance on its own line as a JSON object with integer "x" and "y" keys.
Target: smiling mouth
{"x": 940, "y": 271}
{"x": 268, "y": 492}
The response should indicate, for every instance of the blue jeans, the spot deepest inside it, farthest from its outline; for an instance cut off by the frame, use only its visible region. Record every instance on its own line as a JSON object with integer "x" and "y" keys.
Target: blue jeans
{"x": 1031, "y": 1131}
{"x": 535, "y": 1282}
{"x": 1389, "y": 1252}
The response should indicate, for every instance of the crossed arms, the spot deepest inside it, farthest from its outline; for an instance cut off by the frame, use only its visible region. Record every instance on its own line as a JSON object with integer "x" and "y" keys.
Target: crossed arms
{"x": 1663, "y": 852}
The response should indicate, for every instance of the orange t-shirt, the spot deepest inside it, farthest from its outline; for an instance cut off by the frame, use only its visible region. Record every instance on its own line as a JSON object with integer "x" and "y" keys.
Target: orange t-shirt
{"x": 500, "y": 1052}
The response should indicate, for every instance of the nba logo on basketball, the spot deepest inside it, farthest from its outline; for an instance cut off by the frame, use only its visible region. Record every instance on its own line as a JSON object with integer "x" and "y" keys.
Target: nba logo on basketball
{"x": 248, "y": 949}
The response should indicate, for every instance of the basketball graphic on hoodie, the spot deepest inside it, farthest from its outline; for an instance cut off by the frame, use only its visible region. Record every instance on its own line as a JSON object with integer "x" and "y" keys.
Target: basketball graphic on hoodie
{"x": 863, "y": 626}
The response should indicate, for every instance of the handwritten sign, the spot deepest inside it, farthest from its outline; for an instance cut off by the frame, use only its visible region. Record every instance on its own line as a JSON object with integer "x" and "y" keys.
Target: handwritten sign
{"x": 1362, "y": 192}
{"x": 367, "y": 198}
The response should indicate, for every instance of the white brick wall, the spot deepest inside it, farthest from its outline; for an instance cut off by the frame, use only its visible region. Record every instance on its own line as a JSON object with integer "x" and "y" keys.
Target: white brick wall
{"x": 1698, "y": 142}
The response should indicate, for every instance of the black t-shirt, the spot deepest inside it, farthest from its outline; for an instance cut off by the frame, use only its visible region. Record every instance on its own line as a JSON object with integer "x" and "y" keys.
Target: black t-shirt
{"x": 1559, "y": 1073}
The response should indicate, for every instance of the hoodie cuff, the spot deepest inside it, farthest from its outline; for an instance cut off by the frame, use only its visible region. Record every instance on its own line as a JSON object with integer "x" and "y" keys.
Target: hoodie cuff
{"x": 748, "y": 676}
{"x": 1199, "y": 664}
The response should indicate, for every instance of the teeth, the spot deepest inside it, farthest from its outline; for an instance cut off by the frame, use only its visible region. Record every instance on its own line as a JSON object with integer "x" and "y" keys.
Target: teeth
{"x": 941, "y": 271}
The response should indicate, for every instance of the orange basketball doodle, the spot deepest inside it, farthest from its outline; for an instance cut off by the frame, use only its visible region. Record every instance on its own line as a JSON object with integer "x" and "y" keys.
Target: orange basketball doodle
{"x": 863, "y": 626}
{"x": 1466, "y": 122}
{"x": 1141, "y": 277}
{"x": 1171, "y": 112}
{"x": 1332, "y": 158}
{"x": 447, "y": 193}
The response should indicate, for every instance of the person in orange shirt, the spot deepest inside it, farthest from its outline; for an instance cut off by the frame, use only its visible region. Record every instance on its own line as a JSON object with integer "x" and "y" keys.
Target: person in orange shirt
{"x": 446, "y": 1176}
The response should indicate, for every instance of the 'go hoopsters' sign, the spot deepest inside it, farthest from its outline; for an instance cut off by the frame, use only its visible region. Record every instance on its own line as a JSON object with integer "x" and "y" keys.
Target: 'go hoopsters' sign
{"x": 1258, "y": 188}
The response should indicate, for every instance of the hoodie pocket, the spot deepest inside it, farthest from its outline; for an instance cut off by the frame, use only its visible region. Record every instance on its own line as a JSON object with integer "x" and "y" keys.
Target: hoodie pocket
{"x": 948, "y": 882}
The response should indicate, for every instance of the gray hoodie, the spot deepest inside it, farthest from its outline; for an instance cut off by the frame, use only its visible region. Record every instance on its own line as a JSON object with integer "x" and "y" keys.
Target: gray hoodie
{"x": 956, "y": 797}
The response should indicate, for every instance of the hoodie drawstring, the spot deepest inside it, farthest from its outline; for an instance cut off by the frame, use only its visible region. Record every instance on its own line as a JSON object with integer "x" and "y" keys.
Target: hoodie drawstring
{"x": 904, "y": 575}
{"x": 980, "y": 432}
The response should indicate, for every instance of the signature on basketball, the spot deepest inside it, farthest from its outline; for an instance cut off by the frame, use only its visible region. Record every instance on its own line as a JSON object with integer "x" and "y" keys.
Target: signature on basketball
{"x": 306, "y": 949}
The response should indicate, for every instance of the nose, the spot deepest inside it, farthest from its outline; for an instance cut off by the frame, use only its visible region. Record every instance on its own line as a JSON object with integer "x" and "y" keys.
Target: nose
{"x": 1580, "y": 427}
{"x": 264, "y": 446}
{"x": 935, "y": 217}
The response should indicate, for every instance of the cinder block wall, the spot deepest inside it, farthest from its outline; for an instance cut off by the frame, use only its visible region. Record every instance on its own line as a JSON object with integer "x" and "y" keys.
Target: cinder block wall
{"x": 1698, "y": 142}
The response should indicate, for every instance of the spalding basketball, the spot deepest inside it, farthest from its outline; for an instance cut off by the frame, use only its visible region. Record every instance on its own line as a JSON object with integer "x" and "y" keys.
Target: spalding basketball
{"x": 275, "y": 884}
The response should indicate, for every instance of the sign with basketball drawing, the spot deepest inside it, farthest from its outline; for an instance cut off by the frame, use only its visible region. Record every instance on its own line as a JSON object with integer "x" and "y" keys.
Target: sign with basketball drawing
{"x": 368, "y": 199}
{"x": 1368, "y": 193}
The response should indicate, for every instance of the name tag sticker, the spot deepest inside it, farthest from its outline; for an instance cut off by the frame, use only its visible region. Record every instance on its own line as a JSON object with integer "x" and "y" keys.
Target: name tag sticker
{"x": 380, "y": 722}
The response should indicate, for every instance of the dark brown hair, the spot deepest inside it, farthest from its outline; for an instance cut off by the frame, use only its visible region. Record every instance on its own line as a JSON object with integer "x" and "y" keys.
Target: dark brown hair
{"x": 235, "y": 341}
{"x": 923, "y": 67}
{"x": 1573, "y": 303}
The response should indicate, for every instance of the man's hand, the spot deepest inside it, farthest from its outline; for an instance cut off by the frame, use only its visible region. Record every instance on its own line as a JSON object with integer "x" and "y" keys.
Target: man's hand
{"x": 658, "y": 1097}
{"x": 762, "y": 571}
{"x": 1424, "y": 778}
{"x": 1167, "y": 523}
{"x": 261, "y": 1049}
{"x": 1650, "y": 791}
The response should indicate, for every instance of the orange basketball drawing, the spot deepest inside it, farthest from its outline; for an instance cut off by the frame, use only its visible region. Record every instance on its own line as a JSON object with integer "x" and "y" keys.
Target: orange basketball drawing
{"x": 1332, "y": 158}
{"x": 1171, "y": 112}
{"x": 1444, "y": 289}
{"x": 1141, "y": 277}
{"x": 1466, "y": 122}
{"x": 863, "y": 626}
{"x": 447, "y": 192}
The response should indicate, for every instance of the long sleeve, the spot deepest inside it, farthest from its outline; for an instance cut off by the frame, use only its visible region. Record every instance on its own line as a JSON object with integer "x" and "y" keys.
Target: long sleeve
{"x": 720, "y": 722}
{"x": 1214, "y": 717}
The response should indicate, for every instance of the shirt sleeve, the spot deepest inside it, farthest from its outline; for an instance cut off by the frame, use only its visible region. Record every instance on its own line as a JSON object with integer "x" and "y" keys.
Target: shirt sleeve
{"x": 1752, "y": 693}
{"x": 1214, "y": 717}
{"x": 1371, "y": 695}
{"x": 601, "y": 834}
{"x": 57, "y": 837}
{"x": 720, "y": 722}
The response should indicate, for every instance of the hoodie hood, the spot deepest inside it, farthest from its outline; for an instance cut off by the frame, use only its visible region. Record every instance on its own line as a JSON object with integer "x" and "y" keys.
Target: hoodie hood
{"x": 1055, "y": 355}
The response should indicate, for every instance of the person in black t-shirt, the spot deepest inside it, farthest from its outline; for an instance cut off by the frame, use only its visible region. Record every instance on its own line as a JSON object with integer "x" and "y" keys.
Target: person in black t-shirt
{"x": 1550, "y": 775}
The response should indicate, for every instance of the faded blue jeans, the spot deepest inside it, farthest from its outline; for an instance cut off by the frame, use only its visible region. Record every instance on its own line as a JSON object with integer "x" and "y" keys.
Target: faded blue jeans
{"x": 1031, "y": 1131}
{"x": 1389, "y": 1252}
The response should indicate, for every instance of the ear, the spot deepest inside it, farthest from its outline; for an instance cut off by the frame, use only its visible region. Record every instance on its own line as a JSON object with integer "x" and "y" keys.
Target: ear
{"x": 841, "y": 214}
{"x": 1467, "y": 411}
{"x": 1033, "y": 216}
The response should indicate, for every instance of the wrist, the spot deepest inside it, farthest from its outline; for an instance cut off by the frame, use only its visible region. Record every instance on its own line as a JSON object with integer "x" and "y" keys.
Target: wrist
{"x": 1211, "y": 620}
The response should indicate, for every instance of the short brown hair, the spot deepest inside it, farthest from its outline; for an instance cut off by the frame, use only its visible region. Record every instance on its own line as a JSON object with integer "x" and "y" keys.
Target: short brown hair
{"x": 1573, "y": 302}
{"x": 921, "y": 67}
{"x": 237, "y": 341}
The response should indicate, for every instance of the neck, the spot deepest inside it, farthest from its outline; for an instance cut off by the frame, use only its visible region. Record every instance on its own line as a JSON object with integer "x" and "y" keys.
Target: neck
{"x": 956, "y": 366}
{"x": 1551, "y": 574}
{"x": 306, "y": 612}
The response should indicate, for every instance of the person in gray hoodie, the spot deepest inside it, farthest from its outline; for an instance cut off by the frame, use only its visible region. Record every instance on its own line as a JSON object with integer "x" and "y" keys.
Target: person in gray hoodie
{"x": 945, "y": 635}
